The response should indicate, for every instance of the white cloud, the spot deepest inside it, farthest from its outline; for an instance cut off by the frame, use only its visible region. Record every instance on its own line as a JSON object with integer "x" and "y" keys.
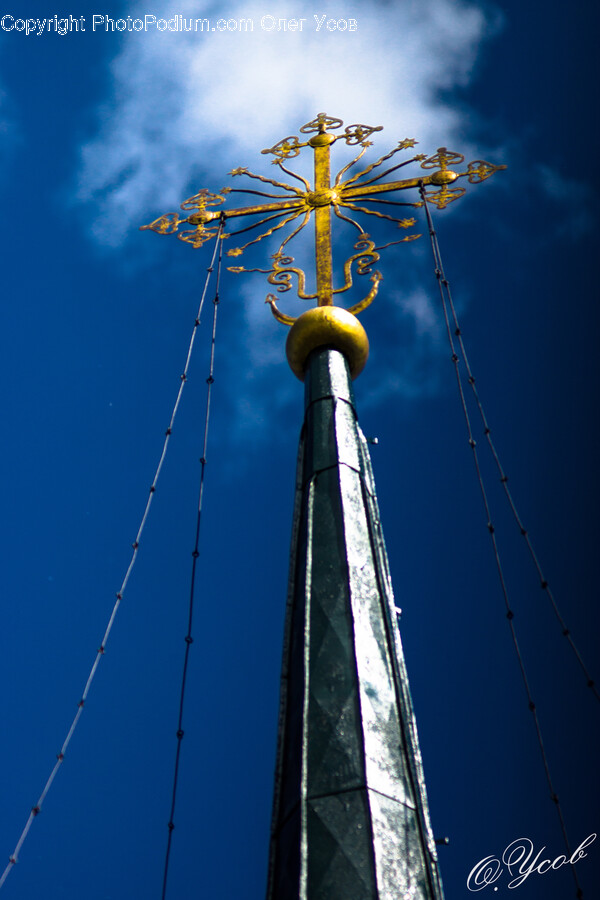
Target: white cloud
{"x": 187, "y": 107}
{"x": 409, "y": 353}
{"x": 185, "y": 101}
{"x": 418, "y": 307}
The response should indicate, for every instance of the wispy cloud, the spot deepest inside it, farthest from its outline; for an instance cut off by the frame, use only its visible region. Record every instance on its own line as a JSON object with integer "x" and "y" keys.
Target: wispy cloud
{"x": 187, "y": 107}
{"x": 182, "y": 102}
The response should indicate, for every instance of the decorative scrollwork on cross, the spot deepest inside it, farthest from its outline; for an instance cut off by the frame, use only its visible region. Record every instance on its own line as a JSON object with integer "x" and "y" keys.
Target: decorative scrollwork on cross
{"x": 322, "y": 123}
{"x": 358, "y": 193}
{"x": 445, "y": 195}
{"x": 356, "y": 134}
{"x": 199, "y": 235}
{"x": 287, "y": 148}
{"x": 479, "y": 170}
{"x": 442, "y": 159}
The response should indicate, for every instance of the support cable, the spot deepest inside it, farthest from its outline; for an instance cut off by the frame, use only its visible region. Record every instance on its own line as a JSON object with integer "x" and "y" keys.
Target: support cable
{"x": 503, "y": 476}
{"x": 195, "y": 554}
{"x": 13, "y": 859}
{"x": 504, "y": 481}
{"x": 445, "y": 296}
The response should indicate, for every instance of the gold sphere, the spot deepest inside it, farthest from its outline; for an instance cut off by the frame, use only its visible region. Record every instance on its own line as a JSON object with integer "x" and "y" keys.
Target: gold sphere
{"x": 327, "y": 326}
{"x": 322, "y": 139}
{"x": 444, "y": 177}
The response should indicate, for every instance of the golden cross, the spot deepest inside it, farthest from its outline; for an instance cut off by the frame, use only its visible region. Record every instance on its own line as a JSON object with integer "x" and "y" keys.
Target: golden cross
{"x": 321, "y": 200}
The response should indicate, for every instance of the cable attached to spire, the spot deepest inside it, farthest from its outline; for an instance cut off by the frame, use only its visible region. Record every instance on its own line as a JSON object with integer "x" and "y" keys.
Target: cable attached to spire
{"x": 445, "y": 286}
{"x": 447, "y": 304}
{"x": 13, "y": 859}
{"x": 195, "y": 554}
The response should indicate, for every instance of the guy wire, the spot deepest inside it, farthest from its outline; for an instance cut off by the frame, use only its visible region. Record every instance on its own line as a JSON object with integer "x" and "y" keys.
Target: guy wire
{"x": 444, "y": 289}
{"x": 195, "y": 554}
{"x": 35, "y": 810}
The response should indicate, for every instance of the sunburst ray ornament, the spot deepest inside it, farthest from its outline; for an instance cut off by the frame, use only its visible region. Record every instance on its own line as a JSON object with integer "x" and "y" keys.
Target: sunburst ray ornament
{"x": 347, "y": 194}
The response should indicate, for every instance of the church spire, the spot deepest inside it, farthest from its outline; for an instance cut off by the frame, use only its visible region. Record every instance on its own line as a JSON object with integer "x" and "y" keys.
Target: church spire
{"x": 350, "y": 817}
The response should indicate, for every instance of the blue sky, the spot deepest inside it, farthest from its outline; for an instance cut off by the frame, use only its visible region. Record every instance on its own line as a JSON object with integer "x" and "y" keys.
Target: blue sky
{"x": 103, "y": 132}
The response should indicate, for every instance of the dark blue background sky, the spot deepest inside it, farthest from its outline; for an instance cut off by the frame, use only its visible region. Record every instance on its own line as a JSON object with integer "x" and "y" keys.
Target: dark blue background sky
{"x": 100, "y": 131}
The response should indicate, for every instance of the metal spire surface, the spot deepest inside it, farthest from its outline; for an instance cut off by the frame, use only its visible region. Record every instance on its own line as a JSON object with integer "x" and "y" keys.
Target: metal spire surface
{"x": 350, "y": 817}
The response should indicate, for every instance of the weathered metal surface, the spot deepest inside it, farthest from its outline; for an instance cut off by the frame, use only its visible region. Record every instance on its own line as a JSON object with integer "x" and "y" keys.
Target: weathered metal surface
{"x": 350, "y": 819}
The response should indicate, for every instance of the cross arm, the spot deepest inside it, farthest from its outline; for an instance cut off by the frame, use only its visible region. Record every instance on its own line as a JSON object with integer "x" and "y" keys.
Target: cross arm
{"x": 386, "y": 186}
{"x": 203, "y": 216}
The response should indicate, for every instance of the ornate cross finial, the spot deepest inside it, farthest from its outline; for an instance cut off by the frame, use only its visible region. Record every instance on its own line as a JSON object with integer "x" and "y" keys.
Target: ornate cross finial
{"x": 347, "y": 193}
